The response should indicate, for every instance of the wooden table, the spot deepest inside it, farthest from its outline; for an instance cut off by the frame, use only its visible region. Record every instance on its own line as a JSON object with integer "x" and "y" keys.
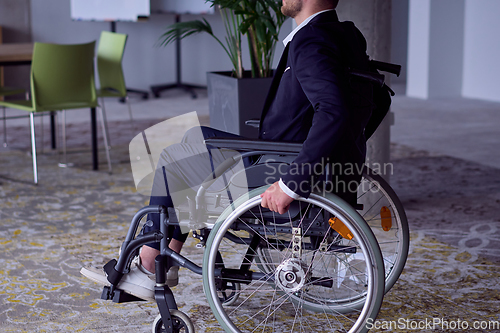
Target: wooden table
{"x": 21, "y": 54}
{"x": 16, "y": 54}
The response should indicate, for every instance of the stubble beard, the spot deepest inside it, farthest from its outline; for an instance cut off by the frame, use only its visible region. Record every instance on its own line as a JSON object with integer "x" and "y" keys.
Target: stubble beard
{"x": 291, "y": 8}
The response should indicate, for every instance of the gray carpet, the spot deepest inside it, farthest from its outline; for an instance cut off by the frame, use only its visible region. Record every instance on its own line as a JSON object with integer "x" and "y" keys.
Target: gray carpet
{"x": 76, "y": 216}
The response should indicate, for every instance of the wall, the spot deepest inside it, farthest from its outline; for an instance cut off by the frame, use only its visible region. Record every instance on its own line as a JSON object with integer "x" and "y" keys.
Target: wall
{"x": 436, "y": 47}
{"x": 399, "y": 38}
{"x": 446, "y": 48}
{"x": 481, "y": 70}
{"x": 418, "y": 48}
{"x": 144, "y": 62}
{"x": 454, "y": 49}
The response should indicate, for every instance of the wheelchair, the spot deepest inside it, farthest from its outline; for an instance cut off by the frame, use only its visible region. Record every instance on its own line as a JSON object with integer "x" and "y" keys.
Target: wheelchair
{"x": 324, "y": 265}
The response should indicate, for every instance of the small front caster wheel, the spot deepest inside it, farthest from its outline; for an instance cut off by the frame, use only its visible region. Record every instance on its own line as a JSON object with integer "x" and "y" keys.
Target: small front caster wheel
{"x": 231, "y": 297}
{"x": 181, "y": 323}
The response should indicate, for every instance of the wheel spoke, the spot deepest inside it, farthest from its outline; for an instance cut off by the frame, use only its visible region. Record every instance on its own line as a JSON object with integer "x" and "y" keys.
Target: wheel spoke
{"x": 319, "y": 285}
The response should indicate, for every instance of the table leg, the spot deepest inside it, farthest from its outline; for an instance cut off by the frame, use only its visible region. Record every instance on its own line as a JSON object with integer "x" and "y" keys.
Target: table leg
{"x": 93, "y": 124}
{"x": 53, "y": 129}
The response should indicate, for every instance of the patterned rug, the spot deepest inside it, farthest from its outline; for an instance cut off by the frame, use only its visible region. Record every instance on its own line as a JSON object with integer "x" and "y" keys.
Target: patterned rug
{"x": 76, "y": 216}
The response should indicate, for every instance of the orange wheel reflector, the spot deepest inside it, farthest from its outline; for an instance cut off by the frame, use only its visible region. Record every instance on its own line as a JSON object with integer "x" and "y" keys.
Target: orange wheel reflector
{"x": 386, "y": 218}
{"x": 340, "y": 227}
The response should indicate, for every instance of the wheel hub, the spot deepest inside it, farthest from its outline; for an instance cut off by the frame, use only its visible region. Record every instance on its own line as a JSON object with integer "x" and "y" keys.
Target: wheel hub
{"x": 291, "y": 275}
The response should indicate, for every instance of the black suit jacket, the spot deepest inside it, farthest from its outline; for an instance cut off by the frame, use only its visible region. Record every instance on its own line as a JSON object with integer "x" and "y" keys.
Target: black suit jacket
{"x": 312, "y": 100}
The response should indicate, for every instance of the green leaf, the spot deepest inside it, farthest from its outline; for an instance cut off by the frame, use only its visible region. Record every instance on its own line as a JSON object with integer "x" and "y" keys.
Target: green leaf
{"x": 261, "y": 32}
{"x": 184, "y": 29}
{"x": 272, "y": 29}
{"x": 244, "y": 26}
{"x": 260, "y": 20}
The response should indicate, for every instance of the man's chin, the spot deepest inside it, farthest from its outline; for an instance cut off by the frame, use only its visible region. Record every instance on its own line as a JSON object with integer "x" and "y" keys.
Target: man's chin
{"x": 285, "y": 12}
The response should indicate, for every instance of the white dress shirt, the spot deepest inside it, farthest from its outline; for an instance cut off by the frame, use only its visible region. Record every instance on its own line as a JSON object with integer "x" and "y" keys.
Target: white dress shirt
{"x": 300, "y": 26}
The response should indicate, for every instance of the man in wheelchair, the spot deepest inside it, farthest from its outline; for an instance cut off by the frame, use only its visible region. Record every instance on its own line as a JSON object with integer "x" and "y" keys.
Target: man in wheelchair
{"x": 314, "y": 100}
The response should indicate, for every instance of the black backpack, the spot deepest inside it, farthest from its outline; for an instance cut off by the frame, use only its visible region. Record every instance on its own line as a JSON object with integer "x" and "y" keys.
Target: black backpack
{"x": 381, "y": 95}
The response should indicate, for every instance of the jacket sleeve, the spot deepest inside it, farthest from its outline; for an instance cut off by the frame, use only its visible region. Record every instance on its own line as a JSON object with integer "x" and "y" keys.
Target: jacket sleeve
{"x": 317, "y": 63}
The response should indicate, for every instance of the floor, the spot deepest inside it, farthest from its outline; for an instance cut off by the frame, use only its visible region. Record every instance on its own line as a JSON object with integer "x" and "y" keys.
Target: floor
{"x": 446, "y": 173}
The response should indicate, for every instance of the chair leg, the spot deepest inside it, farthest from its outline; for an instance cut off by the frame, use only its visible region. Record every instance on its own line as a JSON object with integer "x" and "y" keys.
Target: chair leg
{"x": 41, "y": 119}
{"x": 4, "y": 128}
{"x": 105, "y": 135}
{"x": 65, "y": 163}
{"x": 33, "y": 147}
{"x": 130, "y": 113}
{"x": 105, "y": 122}
{"x": 53, "y": 130}
{"x": 57, "y": 132}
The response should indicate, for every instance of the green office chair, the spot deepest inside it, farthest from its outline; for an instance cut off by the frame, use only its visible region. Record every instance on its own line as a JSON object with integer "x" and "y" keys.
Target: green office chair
{"x": 109, "y": 68}
{"x": 62, "y": 77}
{"x": 7, "y": 91}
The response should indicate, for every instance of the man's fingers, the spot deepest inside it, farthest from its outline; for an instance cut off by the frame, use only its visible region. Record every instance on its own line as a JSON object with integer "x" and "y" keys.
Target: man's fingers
{"x": 264, "y": 200}
{"x": 284, "y": 209}
{"x": 268, "y": 202}
{"x": 275, "y": 200}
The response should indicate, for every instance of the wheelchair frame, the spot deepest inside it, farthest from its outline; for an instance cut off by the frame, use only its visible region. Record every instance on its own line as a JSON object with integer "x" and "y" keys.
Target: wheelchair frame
{"x": 164, "y": 297}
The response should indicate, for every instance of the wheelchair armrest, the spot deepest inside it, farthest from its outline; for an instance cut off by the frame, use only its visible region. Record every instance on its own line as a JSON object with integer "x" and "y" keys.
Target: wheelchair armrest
{"x": 246, "y": 144}
{"x": 373, "y": 77}
{"x": 386, "y": 67}
{"x": 253, "y": 123}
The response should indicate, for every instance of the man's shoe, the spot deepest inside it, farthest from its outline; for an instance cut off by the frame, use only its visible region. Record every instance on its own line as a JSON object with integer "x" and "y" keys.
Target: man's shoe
{"x": 173, "y": 276}
{"x": 136, "y": 282}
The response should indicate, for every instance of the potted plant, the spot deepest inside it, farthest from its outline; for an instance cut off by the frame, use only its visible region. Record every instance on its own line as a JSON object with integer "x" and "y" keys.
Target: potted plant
{"x": 238, "y": 95}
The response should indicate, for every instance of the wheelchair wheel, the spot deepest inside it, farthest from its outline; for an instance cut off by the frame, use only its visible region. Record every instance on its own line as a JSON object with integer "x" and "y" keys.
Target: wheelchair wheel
{"x": 181, "y": 323}
{"x": 384, "y": 213}
{"x": 313, "y": 279}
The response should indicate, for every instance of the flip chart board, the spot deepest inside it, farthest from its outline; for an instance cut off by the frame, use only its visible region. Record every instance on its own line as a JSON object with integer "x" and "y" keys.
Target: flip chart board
{"x": 109, "y": 10}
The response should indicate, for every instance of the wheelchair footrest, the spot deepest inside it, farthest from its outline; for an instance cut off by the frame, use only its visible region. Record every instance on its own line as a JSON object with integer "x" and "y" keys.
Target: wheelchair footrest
{"x": 119, "y": 296}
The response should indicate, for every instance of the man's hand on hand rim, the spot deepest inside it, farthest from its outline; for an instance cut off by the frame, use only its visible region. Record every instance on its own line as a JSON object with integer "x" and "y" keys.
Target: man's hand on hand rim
{"x": 275, "y": 199}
